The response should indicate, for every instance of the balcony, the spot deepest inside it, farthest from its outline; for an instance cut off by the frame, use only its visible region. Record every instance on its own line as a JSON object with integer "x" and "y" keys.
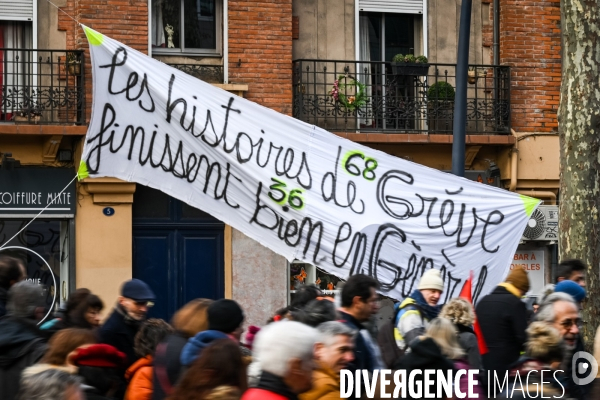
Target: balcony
{"x": 351, "y": 96}
{"x": 207, "y": 73}
{"x": 42, "y": 86}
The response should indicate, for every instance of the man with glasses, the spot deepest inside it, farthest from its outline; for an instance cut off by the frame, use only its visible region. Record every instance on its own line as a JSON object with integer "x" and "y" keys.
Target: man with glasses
{"x": 123, "y": 324}
{"x": 562, "y": 312}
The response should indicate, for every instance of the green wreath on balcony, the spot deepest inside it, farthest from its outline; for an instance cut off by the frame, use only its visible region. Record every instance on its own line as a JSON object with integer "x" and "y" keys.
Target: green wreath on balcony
{"x": 339, "y": 90}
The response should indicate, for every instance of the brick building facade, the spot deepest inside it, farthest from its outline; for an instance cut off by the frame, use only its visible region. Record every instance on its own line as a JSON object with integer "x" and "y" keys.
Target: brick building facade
{"x": 530, "y": 43}
{"x": 266, "y": 50}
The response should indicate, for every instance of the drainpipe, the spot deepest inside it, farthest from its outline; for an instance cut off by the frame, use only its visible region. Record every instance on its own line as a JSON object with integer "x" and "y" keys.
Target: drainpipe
{"x": 496, "y": 51}
{"x": 540, "y": 194}
{"x": 514, "y": 159}
{"x": 425, "y": 28}
{"x": 496, "y": 38}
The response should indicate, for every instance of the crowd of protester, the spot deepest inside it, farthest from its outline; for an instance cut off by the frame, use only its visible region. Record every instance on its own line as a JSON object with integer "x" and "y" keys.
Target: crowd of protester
{"x": 300, "y": 352}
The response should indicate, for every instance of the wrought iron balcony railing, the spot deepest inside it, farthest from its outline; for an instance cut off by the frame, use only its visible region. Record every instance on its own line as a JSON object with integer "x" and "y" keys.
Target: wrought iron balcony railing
{"x": 383, "y": 97}
{"x": 207, "y": 73}
{"x": 42, "y": 86}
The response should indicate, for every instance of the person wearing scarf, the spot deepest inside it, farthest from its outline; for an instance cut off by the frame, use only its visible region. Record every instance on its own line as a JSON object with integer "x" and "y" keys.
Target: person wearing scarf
{"x": 503, "y": 320}
{"x": 415, "y": 312}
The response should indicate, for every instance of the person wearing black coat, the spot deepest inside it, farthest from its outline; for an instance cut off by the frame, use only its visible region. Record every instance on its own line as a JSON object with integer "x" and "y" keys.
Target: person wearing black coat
{"x": 359, "y": 303}
{"x": 22, "y": 344}
{"x": 503, "y": 320}
{"x": 424, "y": 354}
{"x": 12, "y": 270}
{"x": 187, "y": 322}
{"x": 167, "y": 365}
{"x": 120, "y": 328}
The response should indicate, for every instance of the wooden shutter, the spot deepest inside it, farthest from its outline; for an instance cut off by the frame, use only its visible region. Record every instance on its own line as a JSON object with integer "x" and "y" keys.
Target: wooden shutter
{"x": 16, "y": 10}
{"x": 392, "y": 6}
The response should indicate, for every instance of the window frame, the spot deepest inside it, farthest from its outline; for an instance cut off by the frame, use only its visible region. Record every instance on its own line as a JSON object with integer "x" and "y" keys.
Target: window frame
{"x": 183, "y": 51}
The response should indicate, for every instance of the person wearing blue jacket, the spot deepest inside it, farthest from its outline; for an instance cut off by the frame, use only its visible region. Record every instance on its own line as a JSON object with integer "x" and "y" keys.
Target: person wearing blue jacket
{"x": 225, "y": 320}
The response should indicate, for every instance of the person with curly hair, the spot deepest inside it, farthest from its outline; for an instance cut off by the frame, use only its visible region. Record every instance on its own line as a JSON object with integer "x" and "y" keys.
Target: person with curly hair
{"x": 139, "y": 375}
{"x": 544, "y": 351}
{"x": 218, "y": 374}
{"x": 460, "y": 313}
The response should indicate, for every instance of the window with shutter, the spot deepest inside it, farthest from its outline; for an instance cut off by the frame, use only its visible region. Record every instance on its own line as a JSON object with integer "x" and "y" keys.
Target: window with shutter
{"x": 391, "y": 6}
{"x": 16, "y": 10}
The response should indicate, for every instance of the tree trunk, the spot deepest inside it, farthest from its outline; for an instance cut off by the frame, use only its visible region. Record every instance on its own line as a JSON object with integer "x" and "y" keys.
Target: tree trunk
{"x": 579, "y": 129}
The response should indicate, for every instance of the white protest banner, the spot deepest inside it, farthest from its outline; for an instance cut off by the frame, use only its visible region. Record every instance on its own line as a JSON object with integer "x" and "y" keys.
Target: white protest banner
{"x": 297, "y": 189}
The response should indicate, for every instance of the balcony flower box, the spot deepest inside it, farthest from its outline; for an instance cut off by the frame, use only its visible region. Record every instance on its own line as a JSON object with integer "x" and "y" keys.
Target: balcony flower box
{"x": 410, "y": 69}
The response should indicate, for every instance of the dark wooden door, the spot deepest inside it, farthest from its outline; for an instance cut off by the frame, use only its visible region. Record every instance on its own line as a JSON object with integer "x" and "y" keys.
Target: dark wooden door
{"x": 178, "y": 250}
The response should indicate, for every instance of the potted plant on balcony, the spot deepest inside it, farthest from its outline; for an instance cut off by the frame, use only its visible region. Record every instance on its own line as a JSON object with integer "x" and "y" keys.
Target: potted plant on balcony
{"x": 440, "y": 106}
{"x": 349, "y": 93}
{"x": 73, "y": 63}
{"x": 31, "y": 115}
{"x": 409, "y": 65}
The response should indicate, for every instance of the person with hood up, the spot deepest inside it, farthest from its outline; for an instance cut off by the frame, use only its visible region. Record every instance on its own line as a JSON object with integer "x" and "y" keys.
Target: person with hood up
{"x": 139, "y": 375}
{"x": 503, "y": 320}
{"x": 225, "y": 319}
{"x": 22, "y": 344}
{"x": 414, "y": 313}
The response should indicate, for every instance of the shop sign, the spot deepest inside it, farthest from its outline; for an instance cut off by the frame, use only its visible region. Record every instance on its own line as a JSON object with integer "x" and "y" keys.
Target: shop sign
{"x": 30, "y": 190}
{"x": 533, "y": 262}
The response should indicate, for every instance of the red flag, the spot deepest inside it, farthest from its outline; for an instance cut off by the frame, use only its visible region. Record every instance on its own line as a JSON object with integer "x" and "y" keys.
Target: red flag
{"x": 465, "y": 293}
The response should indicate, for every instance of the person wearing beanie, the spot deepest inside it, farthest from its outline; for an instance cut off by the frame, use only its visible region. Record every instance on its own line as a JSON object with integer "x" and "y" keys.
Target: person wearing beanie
{"x": 226, "y": 316}
{"x": 503, "y": 320}
{"x": 412, "y": 315}
{"x": 571, "y": 288}
{"x": 519, "y": 279}
{"x": 99, "y": 365}
{"x": 250, "y": 335}
{"x": 120, "y": 328}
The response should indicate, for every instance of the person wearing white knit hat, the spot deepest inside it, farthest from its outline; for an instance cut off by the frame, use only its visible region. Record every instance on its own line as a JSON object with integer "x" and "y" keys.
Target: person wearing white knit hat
{"x": 415, "y": 312}
{"x": 431, "y": 286}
